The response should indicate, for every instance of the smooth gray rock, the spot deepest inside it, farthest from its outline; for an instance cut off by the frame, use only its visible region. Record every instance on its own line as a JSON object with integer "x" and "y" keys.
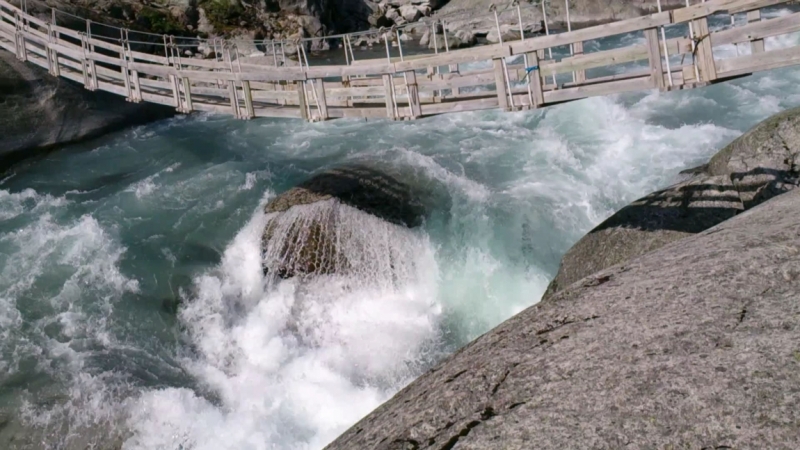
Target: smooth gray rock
{"x": 39, "y": 111}
{"x": 695, "y": 345}
{"x": 763, "y": 162}
{"x": 755, "y": 167}
{"x": 649, "y": 223}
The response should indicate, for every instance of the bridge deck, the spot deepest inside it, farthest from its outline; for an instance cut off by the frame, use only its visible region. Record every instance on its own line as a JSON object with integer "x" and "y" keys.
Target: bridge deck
{"x": 514, "y": 75}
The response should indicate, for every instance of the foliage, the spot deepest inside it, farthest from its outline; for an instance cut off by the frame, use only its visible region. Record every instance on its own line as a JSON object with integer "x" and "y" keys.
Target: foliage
{"x": 222, "y": 13}
{"x": 159, "y": 22}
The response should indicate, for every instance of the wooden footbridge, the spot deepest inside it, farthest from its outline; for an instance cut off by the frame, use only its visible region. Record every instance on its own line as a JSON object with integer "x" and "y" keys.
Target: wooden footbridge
{"x": 521, "y": 74}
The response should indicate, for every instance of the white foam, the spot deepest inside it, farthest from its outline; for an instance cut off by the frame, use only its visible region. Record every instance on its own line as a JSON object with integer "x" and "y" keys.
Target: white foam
{"x": 293, "y": 364}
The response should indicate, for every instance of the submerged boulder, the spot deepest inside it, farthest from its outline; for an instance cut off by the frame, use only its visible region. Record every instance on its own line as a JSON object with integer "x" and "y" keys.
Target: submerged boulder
{"x": 693, "y": 345}
{"x": 312, "y": 223}
{"x": 754, "y": 168}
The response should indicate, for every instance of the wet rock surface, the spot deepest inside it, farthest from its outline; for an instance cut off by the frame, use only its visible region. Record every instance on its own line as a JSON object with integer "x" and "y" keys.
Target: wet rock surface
{"x": 313, "y": 230}
{"x": 754, "y": 168}
{"x": 39, "y": 111}
{"x": 694, "y": 345}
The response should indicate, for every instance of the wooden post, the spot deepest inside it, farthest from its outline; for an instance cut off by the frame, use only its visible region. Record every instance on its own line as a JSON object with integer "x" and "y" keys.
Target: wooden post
{"x": 176, "y": 93}
{"x": 390, "y": 103}
{"x": 137, "y": 89}
{"x": 301, "y": 94}
{"x": 413, "y": 94}
{"x": 535, "y": 81}
{"x": 500, "y": 83}
{"x": 234, "y": 99}
{"x": 654, "y": 58}
{"x": 321, "y": 100}
{"x": 756, "y": 46}
{"x": 705, "y": 56}
{"x": 580, "y": 75}
{"x": 187, "y": 93}
{"x": 248, "y": 99}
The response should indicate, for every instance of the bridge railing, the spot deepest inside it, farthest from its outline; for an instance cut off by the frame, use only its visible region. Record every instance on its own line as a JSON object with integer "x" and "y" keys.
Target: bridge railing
{"x": 512, "y": 75}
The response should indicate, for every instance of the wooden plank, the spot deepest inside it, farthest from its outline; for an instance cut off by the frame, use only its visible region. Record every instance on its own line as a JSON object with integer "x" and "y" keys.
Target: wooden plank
{"x": 580, "y": 75}
{"x": 389, "y": 96}
{"x": 705, "y": 55}
{"x": 773, "y": 59}
{"x": 591, "y": 33}
{"x": 248, "y": 99}
{"x": 234, "y": 100}
{"x": 413, "y": 93}
{"x": 715, "y": 6}
{"x": 321, "y": 100}
{"x": 461, "y": 106}
{"x": 596, "y": 59}
{"x": 654, "y": 57}
{"x": 291, "y": 113}
{"x": 750, "y": 5}
{"x": 301, "y": 96}
{"x": 535, "y": 80}
{"x": 187, "y": 93}
{"x": 136, "y": 96}
{"x": 757, "y": 45}
{"x": 500, "y": 84}
{"x": 612, "y": 87}
{"x": 465, "y": 81}
{"x": 757, "y": 29}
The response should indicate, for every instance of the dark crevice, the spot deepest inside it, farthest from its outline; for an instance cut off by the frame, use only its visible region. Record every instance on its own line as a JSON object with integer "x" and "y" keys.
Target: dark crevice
{"x": 486, "y": 414}
{"x": 516, "y": 405}
{"x": 562, "y": 323}
{"x": 503, "y": 379}
{"x": 451, "y": 379}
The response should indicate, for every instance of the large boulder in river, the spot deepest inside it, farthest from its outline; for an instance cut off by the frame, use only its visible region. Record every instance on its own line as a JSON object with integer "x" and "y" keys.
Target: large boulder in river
{"x": 38, "y": 111}
{"x": 695, "y": 345}
{"x": 755, "y": 167}
{"x": 313, "y": 223}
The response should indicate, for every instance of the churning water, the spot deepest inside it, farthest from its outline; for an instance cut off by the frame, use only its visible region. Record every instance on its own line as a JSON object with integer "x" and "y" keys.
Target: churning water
{"x": 99, "y": 239}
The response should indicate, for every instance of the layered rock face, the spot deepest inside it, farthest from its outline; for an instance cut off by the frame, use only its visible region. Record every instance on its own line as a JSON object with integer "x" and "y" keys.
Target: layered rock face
{"x": 755, "y": 167}
{"x": 39, "y": 111}
{"x": 694, "y": 345}
{"x": 318, "y": 227}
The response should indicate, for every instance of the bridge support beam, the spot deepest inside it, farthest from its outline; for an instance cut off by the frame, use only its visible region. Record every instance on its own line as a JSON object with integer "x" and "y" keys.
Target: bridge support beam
{"x": 654, "y": 58}
{"x": 705, "y": 55}
{"x": 391, "y": 103}
{"x": 756, "y": 46}
{"x": 413, "y": 94}
{"x": 321, "y": 100}
{"x": 500, "y": 83}
{"x": 535, "y": 81}
{"x": 248, "y": 100}
{"x": 301, "y": 95}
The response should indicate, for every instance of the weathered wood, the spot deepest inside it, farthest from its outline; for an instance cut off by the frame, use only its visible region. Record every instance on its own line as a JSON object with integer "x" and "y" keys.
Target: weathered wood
{"x": 535, "y": 81}
{"x": 413, "y": 94}
{"x": 654, "y": 57}
{"x": 187, "y": 93}
{"x": 704, "y": 52}
{"x": 577, "y": 49}
{"x": 321, "y": 100}
{"x": 389, "y": 96}
{"x": 375, "y": 91}
{"x": 757, "y": 45}
{"x": 301, "y": 95}
{"x": 757, "y": 30}
{"x": 234, "y": 100}
{"x": 773, "y": 59}
{"x": 500, "y": 83}
{"x": 248, "y": 99}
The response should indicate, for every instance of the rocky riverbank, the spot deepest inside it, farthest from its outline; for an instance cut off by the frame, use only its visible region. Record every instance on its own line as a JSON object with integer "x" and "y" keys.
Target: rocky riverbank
{"x": 688, "y": 338}
{"x": 465, "y": 20}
